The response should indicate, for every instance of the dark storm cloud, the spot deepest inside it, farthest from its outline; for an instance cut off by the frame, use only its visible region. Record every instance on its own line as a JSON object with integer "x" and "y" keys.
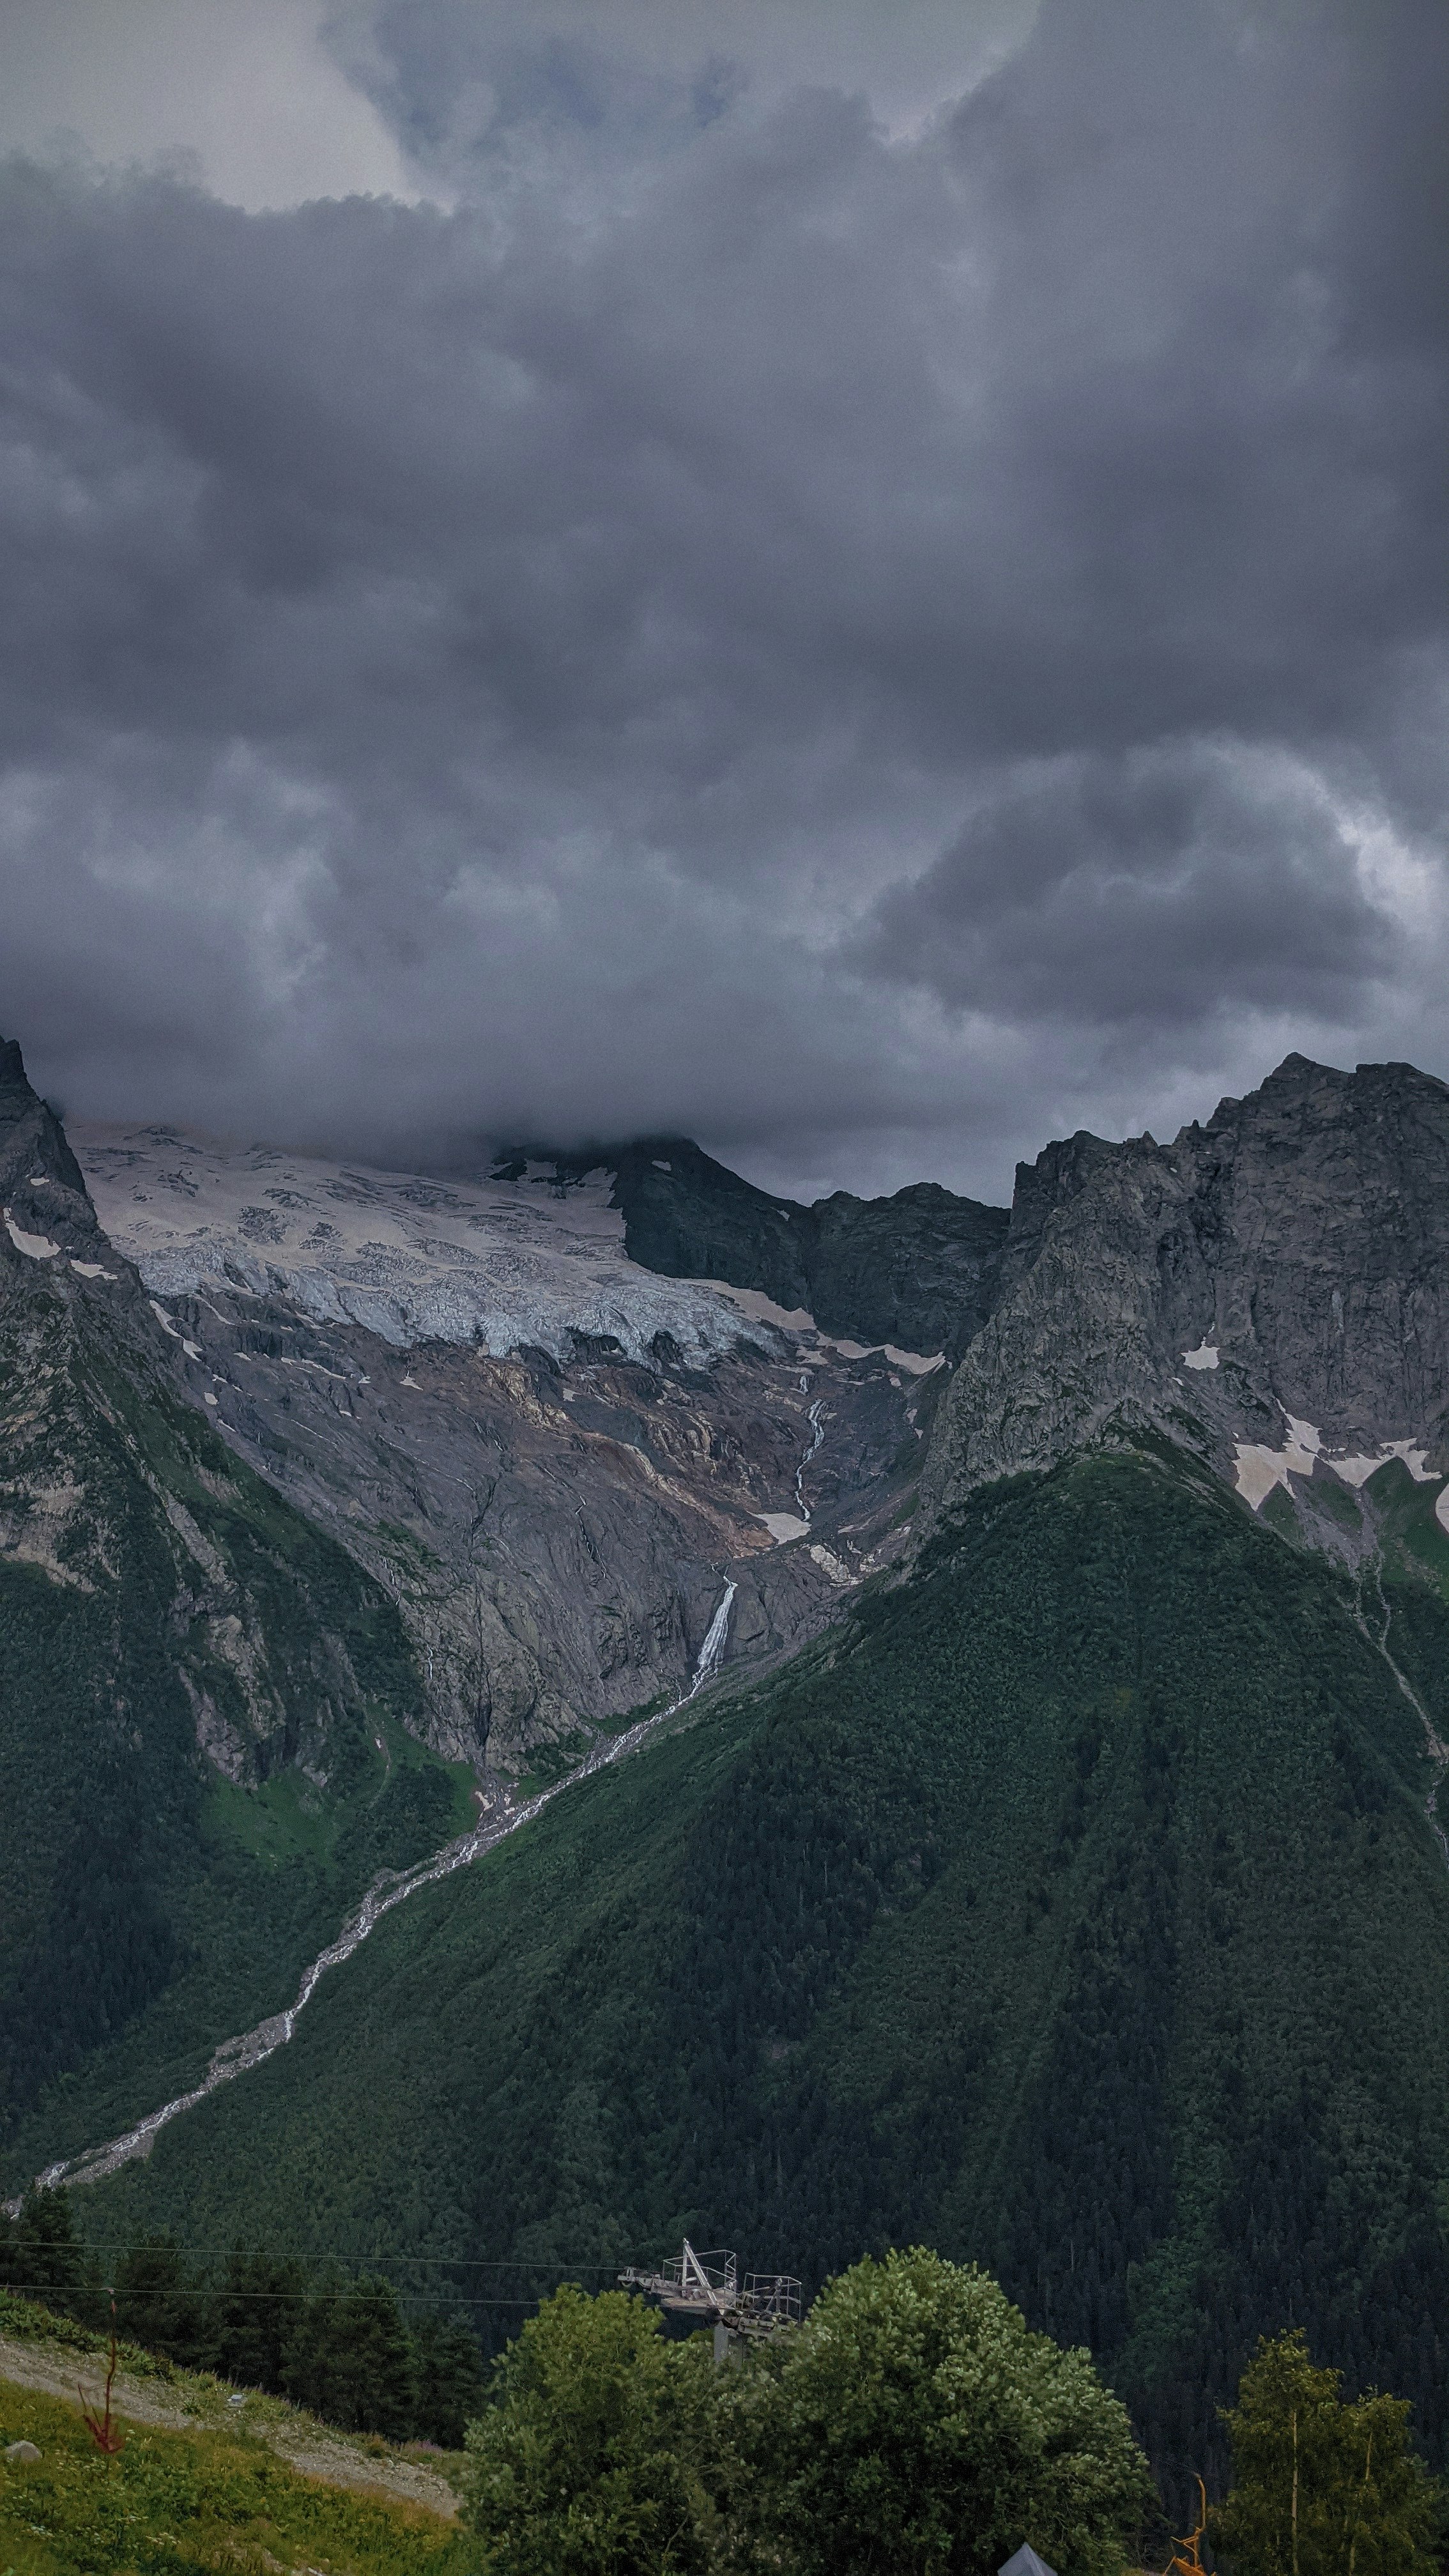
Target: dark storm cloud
{"x": 1140, "y": 892}
{"x": 740, "y": 621}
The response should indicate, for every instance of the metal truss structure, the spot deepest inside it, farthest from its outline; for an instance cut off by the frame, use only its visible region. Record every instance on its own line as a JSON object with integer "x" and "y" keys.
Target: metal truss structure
{"x": 707, "y": 2288}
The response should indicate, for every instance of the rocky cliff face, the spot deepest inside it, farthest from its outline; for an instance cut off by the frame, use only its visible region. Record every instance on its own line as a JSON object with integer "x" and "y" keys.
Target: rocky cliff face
{"x": 1271, "y": 1289}
{"x": 917, "y": 1270}
{"x": 49, "y": 1224}
{"x": 528, "y": 1409}
{"x": 114, "y": 1485}
{"x": 552, "y": 1458}
{"x": 188, "y": 1665}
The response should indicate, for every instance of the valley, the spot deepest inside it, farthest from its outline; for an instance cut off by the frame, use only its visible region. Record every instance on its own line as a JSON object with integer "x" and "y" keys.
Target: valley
{"x": 631, "y": 1752}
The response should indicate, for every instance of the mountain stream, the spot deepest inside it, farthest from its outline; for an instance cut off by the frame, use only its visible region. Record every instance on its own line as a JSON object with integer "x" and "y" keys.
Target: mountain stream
{"x": 238, "y": 2056}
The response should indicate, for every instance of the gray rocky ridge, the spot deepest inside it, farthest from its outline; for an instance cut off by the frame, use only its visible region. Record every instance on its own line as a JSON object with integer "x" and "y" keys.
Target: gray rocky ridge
{"x": 1270, "y": 1289}
{"x": 917, "y": 1269}
{"x": 554, "y": 1452}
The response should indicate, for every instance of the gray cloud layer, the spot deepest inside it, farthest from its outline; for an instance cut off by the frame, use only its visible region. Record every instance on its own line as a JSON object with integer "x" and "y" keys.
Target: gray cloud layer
{"x": 871, "y": 647}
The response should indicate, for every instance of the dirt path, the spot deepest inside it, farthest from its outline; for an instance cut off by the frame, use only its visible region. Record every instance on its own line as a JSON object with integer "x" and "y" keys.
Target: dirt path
{"x": 181, "y": 2404}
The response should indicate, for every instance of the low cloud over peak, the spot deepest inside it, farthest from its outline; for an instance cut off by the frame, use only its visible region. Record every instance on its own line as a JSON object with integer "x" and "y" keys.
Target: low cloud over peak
{"x": 865, "y": 631}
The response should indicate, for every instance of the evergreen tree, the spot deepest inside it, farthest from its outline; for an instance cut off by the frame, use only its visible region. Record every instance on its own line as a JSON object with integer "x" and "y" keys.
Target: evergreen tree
{"x": 1321, "y": 2488}
{"x": 447, "y": 2379}
{"x": 349, "y": 2357}
{"x": 157, "y": 2303}
{"x": 586, "y": 2462}
{"x": 313, "y": 2370}
{"x": 255, "y": 2317}
{"x": 43, "y": 2258}
{"x": 376, "y": 2354}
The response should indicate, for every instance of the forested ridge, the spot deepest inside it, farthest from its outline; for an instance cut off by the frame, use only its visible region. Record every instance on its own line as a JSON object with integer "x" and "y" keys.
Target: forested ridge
{"x": 148, "y": 1905}
{"x": 1072, "y": 1908}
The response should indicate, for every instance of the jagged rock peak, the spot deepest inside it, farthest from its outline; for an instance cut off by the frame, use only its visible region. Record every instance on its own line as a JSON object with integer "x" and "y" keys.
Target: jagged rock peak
{"x": 1299, "y": 1085}
{"x": 31, "y": 1136}
{"x": 1288, "y": 1260}
{"x": 917, "y": 1269}
{"x": 46, "y": 1216}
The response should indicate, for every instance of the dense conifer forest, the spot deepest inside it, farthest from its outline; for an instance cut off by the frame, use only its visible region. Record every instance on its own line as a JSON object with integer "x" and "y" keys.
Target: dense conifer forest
{"x": 1073, "y": 1908}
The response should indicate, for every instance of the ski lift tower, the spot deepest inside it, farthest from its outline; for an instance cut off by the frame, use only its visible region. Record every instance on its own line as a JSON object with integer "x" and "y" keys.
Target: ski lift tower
{"x": 706, "y": 2288}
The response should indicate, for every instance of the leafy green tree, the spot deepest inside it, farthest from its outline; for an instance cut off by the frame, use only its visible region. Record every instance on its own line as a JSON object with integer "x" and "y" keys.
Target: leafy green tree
{"x": 915, "y": 2423}
{"x": 1321, "y": 2488}
{"x": 585, "y": 2464}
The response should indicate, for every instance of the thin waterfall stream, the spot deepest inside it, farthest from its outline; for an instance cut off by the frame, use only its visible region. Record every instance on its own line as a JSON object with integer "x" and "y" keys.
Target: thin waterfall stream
{"x": 817, "y": 1435}
{"x": 238, "y": 2056}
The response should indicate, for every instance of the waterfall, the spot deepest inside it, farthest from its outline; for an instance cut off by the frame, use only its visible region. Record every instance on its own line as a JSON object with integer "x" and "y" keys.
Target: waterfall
{"x": 817, "y": 1435}
{"x": 711, "y": 1653}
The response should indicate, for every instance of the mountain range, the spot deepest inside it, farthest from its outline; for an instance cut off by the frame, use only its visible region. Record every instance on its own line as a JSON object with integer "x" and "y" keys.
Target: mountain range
{"x": 812, "y": 1726}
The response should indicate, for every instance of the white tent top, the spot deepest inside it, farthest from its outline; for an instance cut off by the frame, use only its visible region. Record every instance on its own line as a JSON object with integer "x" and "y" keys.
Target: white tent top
{"x": 1026, "y": 2563}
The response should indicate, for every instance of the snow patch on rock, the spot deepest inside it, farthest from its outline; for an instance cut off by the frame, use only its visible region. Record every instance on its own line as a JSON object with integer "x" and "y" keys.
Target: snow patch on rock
{"x": 1259, "y": 1469}
{"x": 1204, "y": 1357}
{"x": 36, "y": 1247}
{"x": 1357, "y": 1471}
{"x": 798, "y": 1319}
{"x": 830, "y": 1564}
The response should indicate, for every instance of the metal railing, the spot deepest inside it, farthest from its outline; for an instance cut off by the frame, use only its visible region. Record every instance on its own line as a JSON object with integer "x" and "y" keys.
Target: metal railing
{"x": 706, "y": 2286}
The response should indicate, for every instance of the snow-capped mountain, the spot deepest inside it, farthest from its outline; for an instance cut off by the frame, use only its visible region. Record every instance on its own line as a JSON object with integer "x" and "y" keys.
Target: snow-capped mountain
{"x": 535, "y": 1262}
{"x": 552, "y": 1456}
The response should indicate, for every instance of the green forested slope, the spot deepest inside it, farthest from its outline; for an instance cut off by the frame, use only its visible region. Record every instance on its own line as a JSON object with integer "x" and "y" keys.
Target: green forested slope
{"x": 151, "y": 1588}
{"x": 1074, "y": 1907}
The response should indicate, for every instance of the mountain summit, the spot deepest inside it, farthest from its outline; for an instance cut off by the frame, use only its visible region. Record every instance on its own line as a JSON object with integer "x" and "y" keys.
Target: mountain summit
{"x": 917, "y": 1269}
{"x": 1270, "y": 1288}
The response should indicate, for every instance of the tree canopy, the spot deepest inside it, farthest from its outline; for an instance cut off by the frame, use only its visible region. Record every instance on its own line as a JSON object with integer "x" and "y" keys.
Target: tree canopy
{"x": 1320, "y": 2487}
{"x": 586, "y": 2464}
{"x": 915, "y": 2422}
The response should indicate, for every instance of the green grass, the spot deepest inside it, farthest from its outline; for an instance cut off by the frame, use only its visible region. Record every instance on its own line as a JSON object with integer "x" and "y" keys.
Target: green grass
{"x": 24, "y": 2322}
{"x": 196, "y": 2499}
{"x": 286, "y": 1819}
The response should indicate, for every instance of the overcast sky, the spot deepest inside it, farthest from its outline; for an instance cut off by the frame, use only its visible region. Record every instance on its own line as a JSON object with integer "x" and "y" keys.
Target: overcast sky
{"x": 867, "y": 584}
